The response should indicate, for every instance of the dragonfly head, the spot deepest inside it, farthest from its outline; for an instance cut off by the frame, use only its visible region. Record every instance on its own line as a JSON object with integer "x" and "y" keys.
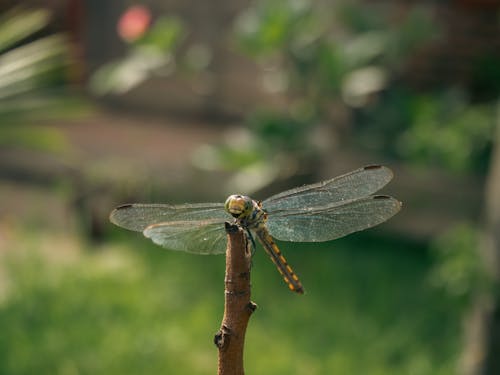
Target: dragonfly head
{"x": 239, "y": 206}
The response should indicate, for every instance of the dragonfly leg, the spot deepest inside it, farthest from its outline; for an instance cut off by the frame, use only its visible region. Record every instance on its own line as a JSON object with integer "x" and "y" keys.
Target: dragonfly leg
{"x": 252, "y": 240}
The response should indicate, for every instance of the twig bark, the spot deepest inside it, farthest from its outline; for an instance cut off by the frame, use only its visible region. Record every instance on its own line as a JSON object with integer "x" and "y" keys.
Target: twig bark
{"x": 237, "y": 305}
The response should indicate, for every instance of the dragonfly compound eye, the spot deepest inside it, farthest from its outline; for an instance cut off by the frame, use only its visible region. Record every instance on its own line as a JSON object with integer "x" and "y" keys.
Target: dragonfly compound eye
{"x": 238, "y": 206}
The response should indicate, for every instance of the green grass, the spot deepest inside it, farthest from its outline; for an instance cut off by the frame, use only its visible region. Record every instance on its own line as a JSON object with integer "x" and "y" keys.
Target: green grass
{"x": 137, "y": 309}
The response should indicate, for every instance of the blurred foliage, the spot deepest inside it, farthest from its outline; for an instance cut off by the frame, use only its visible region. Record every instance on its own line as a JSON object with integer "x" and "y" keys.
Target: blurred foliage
{"x": 33, "y": 80}
{"x": 444, "y": 129}
{"x": 152, "y": 53}
{"x": 458, "y": 268}
{"x": 119, "y": 311}
{"x": 316, "y": 46}
{"x": 327, "y": 60}
{"x": 339, "y": 68}
{"x": 449, "y": 133}
{"x": 258, "y": 154}
{"x": 345, "y": 62}
{"x": 101, "y": 314}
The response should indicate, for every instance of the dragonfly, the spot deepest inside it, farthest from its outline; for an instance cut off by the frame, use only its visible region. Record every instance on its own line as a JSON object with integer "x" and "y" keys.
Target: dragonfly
{"x": 317, "y": 212}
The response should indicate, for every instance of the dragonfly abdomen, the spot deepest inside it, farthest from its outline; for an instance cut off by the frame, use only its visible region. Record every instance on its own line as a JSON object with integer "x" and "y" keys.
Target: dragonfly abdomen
{"x": 290, "y": 277}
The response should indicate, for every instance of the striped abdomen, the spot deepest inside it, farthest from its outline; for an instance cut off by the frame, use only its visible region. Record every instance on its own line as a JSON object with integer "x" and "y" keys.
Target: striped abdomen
{"x": 279, "y": 260}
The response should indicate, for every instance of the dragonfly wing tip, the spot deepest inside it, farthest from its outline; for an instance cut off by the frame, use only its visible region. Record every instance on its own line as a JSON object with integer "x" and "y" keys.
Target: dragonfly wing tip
{"x": 372, "y": 166}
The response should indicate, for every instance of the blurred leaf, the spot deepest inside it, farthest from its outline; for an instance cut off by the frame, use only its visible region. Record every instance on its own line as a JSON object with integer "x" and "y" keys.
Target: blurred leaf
{"x": 51, "y": 104}
{"x": 359, "y": 19}
{"x": 225, "y": 157}
{"x": 19, "y": 24}
{"x": 280, "y": 132}
{"x": 458, "y": 266}
{"x": 31, "y": 66}
{"x": 448, "y": 132}
{"x": 417, "y": 28}
{"x": 165, "y": 34}
{"x": 365, "y": 47}
{"x": 360, "y": 84}
{"x": 271, "y": 26}
{"x": 33, "y": 82}
{"x": 121, "y": 76}
{"x": 33, "y": 138}
{"x": 151, "y": 54}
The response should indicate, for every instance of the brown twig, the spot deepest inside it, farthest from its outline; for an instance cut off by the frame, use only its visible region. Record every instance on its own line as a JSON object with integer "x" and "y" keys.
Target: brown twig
{"x": 237, "y": 305}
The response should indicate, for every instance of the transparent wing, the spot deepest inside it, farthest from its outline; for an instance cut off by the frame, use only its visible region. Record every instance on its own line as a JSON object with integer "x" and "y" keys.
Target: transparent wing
{"x": 138, "y": 216}
{"x": 196, "y": 228}
{"x": 203, "y": 237}
{"x": 356, "y": 184}
{"x": 333, "y": 221}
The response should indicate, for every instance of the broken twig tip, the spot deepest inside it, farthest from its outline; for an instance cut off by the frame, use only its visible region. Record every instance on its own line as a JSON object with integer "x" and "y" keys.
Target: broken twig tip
{"x": 231, "y": 228}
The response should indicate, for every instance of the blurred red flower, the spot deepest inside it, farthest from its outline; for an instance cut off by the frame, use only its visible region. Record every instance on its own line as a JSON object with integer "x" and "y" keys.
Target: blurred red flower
{"x": 134, "y": 22}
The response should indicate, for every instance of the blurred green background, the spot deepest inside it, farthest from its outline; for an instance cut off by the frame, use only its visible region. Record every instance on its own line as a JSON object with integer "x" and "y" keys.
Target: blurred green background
{"x": 104, "y": 103}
